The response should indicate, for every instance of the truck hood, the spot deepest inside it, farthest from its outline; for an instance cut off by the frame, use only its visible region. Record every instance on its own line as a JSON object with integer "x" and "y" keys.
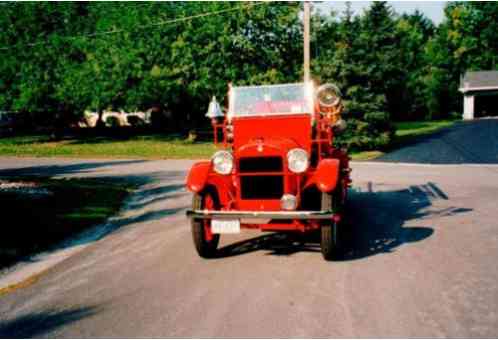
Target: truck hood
{"x": 265, "y": 147}
{"x": 280, "y": 132}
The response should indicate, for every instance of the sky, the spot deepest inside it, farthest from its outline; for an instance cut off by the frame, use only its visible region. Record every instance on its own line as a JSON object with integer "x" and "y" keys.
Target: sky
{"x": 434, "y": 10}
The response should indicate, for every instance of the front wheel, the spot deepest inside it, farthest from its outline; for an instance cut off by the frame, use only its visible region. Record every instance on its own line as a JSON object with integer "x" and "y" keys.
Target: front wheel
{"x": 331, "y": 231}
{"x": 205, "y": 241}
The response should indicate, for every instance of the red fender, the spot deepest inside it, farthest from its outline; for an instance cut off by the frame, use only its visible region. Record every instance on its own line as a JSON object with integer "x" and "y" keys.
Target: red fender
{"x": 197, "y": 177}
{"x": 224, "y": 187}
{"x": 326, "y": 175}
{"x": 200, "y": 176}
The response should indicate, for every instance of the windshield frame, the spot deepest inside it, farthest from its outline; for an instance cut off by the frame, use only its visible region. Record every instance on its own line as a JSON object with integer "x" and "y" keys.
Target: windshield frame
{"x": 308, "y": 97}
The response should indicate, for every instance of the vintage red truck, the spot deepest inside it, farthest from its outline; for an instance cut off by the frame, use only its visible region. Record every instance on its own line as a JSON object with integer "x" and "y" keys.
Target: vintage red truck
{"x": 277, "y": 168}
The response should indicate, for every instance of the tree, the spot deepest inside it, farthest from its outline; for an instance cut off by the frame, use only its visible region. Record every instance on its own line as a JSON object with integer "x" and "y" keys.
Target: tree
{"x": 414, "y": 32}
{"x": 355, "y": 61}
{"x": 467, "y": 40}
{"x": 60, "y": 59}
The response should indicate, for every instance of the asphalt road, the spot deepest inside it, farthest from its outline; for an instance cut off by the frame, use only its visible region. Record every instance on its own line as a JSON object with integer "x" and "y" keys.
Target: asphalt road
{"x": 422, "y": 264}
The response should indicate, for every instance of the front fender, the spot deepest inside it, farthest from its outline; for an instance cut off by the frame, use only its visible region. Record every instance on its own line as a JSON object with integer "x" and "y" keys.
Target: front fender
{"x": 198, "y": 175}
{"x": 326, "y": 175}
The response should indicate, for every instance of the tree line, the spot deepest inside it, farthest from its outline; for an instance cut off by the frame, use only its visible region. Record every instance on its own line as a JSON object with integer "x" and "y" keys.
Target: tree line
{"x": 59, "y": 59}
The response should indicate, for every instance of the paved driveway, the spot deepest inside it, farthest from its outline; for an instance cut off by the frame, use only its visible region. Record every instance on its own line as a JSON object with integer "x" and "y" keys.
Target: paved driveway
{"x": 474, "y": 142}
{"x": 422, "y": 264}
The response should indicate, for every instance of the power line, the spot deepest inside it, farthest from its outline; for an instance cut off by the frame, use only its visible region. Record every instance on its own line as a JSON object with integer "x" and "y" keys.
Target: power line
{"x": 156, "y": 24}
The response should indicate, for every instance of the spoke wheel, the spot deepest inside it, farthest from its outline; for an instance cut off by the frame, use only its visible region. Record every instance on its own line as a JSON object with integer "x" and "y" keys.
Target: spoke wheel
{"x": 205, "y": 241}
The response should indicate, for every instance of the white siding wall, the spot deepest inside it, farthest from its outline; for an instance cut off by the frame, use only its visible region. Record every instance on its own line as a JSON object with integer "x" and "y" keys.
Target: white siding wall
{"x": 468, "y": 107}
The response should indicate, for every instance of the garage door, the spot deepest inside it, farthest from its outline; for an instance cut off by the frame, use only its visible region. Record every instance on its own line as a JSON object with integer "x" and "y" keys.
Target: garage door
{"x": 486, "y": 105}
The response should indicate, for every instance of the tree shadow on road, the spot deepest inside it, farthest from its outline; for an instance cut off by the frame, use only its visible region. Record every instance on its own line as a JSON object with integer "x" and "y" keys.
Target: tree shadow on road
{"x": 35, "y": 325}
{"x": 155, "y": 195}
{"x": 77, "y": 167}
{"x": 149, "y": 202}
{"x": 376, "y": 223}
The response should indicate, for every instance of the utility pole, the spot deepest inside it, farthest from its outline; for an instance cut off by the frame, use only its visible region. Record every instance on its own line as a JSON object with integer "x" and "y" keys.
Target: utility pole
{"x": 306, "y": 44}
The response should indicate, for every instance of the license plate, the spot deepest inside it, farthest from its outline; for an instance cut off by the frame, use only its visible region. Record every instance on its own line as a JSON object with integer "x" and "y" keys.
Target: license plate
{"x": 225, "y": 226}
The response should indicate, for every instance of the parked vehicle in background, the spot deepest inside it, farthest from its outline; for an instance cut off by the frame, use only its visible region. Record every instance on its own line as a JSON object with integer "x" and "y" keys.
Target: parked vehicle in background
{"x": 277, "y": 168}
{"x": 117, "y": 118}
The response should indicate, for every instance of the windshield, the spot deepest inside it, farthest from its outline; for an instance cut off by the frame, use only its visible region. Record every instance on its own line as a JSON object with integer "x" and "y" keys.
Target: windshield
{"x": 271, "y": 99}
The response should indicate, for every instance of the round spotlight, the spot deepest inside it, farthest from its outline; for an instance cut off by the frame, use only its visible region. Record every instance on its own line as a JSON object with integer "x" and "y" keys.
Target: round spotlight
{"x": 328, "y": 95}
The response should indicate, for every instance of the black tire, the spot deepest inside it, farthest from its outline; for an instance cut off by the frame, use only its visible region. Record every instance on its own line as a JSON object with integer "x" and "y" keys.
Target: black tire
{"x": 205, "y": 249}
{"x": 330, "y": 239}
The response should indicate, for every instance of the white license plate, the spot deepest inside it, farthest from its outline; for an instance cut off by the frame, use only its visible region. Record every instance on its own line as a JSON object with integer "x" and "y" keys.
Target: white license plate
{"x": 225, "y": 226}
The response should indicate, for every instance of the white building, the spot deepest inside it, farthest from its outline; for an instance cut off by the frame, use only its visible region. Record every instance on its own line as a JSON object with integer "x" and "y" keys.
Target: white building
{"x": 480, "y": 94}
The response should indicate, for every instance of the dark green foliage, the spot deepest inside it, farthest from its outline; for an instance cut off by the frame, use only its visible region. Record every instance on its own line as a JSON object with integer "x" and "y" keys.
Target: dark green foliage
{"x": 59, "y": 59}
{"x": 362, "y": 60}
{"x": 467, "y": 40}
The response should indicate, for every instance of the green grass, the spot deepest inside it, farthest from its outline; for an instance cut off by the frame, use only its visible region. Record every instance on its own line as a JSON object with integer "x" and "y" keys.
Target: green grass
{"x": 151, "y": 146}
{"x": 415, "y": 129}
{"x": 32, "y": 223}
{"x": 165, "y": 147}
{"x": 365, "y": 155}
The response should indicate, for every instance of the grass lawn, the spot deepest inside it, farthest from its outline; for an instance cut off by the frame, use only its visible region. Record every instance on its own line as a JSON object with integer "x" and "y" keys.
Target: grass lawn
{"x": 164, "y": 147}
{"x": 45, "y": 211}
{"x": 150, "y": 146}
{"x": 365, "y": 155}
{"x": 415, "y": 129}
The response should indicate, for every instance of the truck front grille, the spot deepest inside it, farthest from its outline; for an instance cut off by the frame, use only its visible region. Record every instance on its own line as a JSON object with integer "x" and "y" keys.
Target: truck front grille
{"x": 260, "y": 164}
{"x": 261, "y": 187}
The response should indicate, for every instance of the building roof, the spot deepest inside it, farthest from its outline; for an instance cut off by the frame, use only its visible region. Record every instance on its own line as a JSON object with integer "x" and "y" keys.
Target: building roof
{"x": 479, "y": 81}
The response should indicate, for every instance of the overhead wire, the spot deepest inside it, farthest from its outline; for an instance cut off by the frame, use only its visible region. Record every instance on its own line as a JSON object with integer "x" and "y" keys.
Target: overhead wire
{"x": 140, "y": 27}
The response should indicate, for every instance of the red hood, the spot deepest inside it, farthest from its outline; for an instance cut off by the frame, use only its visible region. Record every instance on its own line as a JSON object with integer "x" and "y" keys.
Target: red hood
{"x": 278, "y": 131}
{"x": 266, "y": 147}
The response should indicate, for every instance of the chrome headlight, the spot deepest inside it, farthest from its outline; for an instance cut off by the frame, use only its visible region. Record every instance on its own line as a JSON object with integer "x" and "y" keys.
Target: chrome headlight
{"x": 222, "y": 162}
{"x": 297, "y": 160}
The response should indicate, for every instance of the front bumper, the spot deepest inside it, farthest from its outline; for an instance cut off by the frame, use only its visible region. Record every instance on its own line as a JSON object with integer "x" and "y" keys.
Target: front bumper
{"x": 270, "y": 215}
